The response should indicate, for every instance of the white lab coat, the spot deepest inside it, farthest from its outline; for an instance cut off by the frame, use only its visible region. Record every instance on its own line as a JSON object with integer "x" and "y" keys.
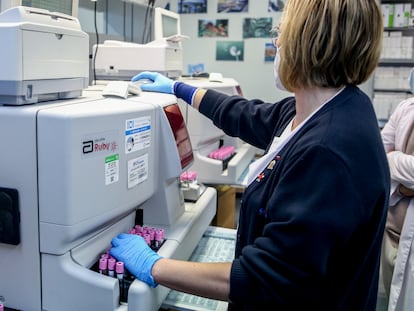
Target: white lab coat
{"x": 394, "y": 135}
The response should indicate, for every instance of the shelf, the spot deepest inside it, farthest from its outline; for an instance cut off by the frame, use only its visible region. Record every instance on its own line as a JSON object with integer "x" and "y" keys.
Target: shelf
{"x": 390, "y": 85}
{"x": 392, "y": 90}
{"x": 396, "y": 1}
{"x": 408, "y": 28}
{"x": 404, "y": 62}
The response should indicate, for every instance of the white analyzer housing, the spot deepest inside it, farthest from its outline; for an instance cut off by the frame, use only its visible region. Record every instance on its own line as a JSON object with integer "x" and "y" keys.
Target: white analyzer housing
{"x": 119, "y": 60}
{"x": 75, "y": 175}
{"x": 44, "y": 56}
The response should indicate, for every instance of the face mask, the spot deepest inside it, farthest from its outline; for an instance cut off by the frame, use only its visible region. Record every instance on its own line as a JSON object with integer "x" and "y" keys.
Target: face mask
{"x": 278, "y": 83}
{"x": 411, "y": 80}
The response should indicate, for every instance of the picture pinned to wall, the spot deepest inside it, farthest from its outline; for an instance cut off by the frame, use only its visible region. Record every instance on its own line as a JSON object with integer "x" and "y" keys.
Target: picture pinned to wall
{"x": 232, "y": 6}
{"x": 230, "y": 50}
{"x": 213, "y": 27}
{"x": 192, "y": 6}
{"x": 276, "y": 5}
{"x": 194, "y": 69}
{"x": 257, "y": 27}
{"x": 270, "y": 53}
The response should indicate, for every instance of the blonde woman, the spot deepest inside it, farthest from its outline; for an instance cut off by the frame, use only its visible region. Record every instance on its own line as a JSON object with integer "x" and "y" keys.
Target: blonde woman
{"x": 312, "y": 218}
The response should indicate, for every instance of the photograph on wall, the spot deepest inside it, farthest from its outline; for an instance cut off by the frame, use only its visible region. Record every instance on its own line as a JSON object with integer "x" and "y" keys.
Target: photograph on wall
{"x": 276, "y": 5}
{"x": 270, "y": 52}
{"x": 195, "y": 69}
{"x": 232, "y": 6}
{"x": 192, "y": 6}
{"x": 213, "y": 27}
{"x": 230, "y": 50}
{"x": 257, "y": 27}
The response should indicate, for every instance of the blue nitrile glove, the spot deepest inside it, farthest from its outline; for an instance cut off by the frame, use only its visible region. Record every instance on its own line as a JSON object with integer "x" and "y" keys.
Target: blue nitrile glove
{"x": 137, "y": 256}
{"x": 162, "y": 84}
{"x": 159, "y": 83}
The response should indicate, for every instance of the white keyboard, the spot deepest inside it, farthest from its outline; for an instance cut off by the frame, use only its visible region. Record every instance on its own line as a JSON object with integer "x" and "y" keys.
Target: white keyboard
{"x": 216, "y": 245}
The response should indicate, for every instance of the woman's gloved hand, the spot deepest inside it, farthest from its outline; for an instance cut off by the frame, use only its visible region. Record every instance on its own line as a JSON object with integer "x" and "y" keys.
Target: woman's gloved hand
{"x": 159, "y": 83}
{"x": 162, "y": 84}
{"x": 137, "y": 256}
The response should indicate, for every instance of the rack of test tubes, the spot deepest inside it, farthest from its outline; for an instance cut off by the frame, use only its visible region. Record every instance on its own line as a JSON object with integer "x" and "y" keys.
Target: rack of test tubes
{"x": 224, "y": 154}
{"x": 191, "y": 188}
{"x": 109, "y": 266}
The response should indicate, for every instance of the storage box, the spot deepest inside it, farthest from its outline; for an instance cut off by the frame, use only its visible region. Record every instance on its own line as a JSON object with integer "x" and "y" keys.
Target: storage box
{"x": 226, "y": 207}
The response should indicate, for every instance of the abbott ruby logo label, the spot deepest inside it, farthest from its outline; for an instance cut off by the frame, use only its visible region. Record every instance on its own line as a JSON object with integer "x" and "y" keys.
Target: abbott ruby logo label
{"x": 100, "y": 144}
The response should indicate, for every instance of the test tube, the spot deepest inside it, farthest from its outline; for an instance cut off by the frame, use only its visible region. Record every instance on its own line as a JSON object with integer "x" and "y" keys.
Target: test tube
{"x": 151, "y": 232}
{"x": 188, "y": 177}
{"x": 192, "y": 177}
{"x": 147, "y": 238}
{"x": 111, "y": 267}
{"x": 103, "y": 265}
{"x": 119, "y": 268}
{"x": 2, "y": 302}
{"x": 138, "y": 229}
{"x": 159, "y": 237}
{"x": 213, "y": 154}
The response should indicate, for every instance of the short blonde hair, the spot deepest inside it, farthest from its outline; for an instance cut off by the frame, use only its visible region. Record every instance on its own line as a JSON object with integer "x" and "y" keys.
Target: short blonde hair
{"x": 329, "y": 43}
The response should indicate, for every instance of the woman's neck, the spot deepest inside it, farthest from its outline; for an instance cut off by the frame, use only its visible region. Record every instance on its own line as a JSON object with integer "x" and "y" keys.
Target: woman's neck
{"x": 309, "y": 100}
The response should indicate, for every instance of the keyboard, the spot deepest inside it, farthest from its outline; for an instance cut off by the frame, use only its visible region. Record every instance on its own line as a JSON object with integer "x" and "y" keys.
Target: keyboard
{"x": 216, "y": 245}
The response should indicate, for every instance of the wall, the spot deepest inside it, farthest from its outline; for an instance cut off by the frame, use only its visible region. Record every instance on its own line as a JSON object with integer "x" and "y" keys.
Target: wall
{"x": 254, "y": 75}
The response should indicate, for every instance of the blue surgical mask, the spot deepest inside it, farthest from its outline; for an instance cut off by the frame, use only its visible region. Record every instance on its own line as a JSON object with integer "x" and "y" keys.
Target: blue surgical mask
{"x": 278, "y": 82}
{"x": 411, "y": 80}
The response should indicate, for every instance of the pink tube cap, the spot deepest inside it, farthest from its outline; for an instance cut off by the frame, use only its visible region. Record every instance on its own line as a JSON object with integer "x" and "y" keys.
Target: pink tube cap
{"x": 159, "y": 235}
{"x": 103, "y": 264}
{"x": 119, "y": 267}
{"x": 111, "y": 263}
{"x": 188, "y": 176}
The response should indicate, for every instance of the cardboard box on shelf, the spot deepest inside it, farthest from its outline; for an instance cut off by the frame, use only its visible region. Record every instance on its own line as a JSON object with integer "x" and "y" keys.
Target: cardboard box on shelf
{"x": 226, "y": 207}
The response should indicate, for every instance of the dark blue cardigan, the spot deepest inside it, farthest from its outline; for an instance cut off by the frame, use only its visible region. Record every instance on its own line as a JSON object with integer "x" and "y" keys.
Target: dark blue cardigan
{"x": 310, "y": 230}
